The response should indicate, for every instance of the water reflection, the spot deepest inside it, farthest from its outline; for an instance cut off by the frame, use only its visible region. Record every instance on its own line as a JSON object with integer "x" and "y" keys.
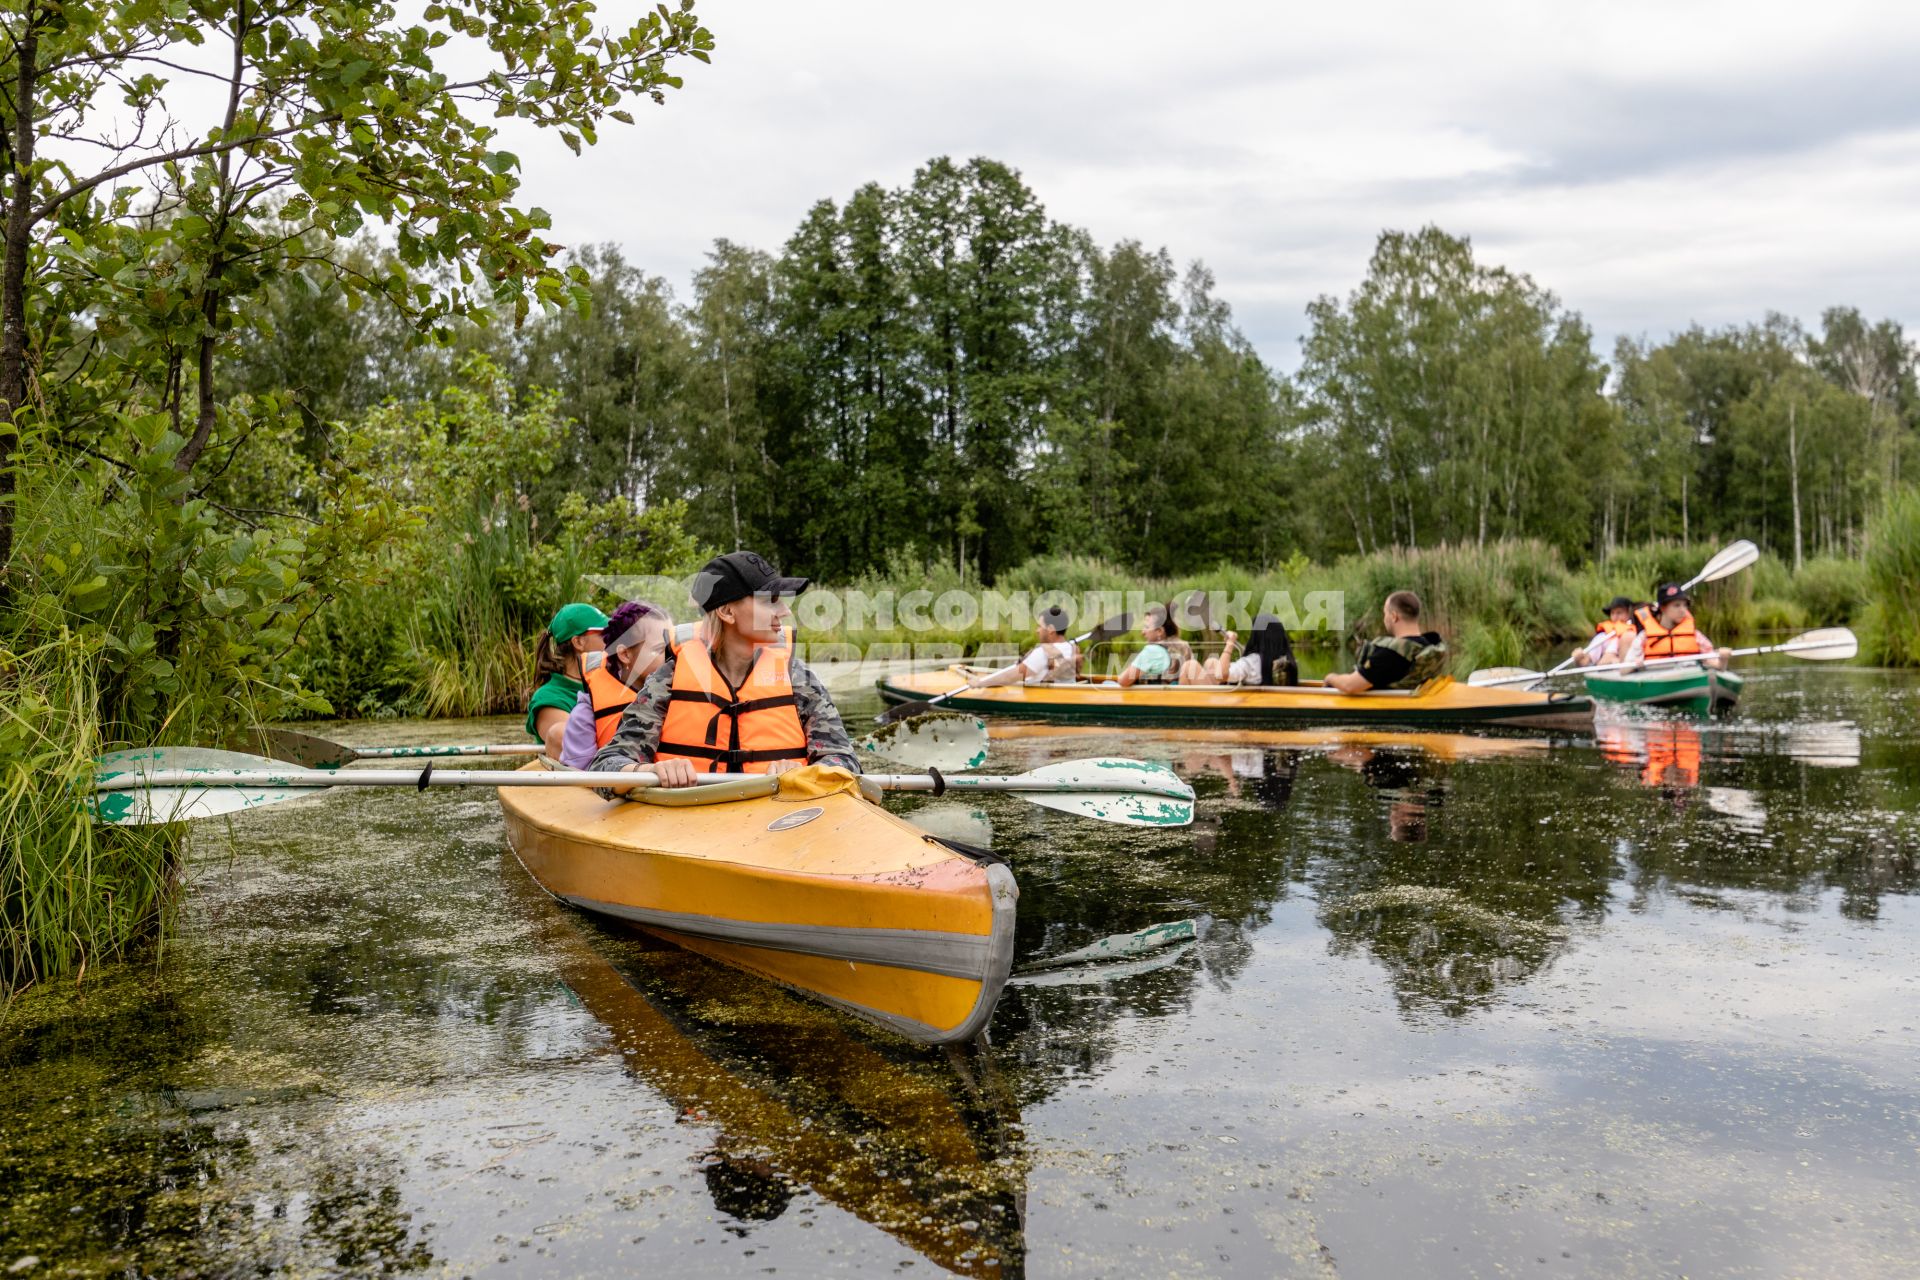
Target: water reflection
{"x": 924, "y": 1146}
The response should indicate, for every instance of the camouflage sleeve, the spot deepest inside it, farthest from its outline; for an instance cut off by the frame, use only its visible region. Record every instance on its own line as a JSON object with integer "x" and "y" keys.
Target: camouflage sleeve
{"x": 827, "y": 741}
{"x": 638, "y": 736}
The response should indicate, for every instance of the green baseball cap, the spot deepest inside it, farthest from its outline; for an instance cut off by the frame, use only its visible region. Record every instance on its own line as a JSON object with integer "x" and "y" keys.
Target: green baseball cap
{"x": 576, "y": 620}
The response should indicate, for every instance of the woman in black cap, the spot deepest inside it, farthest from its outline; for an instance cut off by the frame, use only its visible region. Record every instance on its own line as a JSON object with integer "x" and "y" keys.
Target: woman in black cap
{"x": 1611, "y": 637}
{"x": 733, "y": 698}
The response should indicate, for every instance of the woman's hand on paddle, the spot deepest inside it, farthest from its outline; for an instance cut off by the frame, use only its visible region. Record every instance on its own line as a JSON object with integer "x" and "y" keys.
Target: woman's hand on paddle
{"x": 785, "y": 766}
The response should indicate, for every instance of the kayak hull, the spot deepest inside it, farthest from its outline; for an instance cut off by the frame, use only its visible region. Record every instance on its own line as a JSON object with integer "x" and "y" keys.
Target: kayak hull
{"x": 830, "y": 895}
{"x": 1454, "y": 705}
{"x": 1686, "y": 688}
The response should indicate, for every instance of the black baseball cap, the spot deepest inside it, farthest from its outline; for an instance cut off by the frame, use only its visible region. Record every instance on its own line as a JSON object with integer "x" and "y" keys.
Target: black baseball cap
{"x": 1668, "y": 593}
{"x": 1056, "y": 617}
{"x": 737, "y": 575}
{"x": 1619, "y": 602}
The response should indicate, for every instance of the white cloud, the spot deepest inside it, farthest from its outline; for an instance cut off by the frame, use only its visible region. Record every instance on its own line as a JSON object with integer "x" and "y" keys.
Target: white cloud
{"x": 1654, "y": 164}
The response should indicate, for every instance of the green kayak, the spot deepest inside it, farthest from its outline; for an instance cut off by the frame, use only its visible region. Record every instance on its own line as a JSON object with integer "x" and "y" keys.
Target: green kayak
{"x": 1689, "y": 687}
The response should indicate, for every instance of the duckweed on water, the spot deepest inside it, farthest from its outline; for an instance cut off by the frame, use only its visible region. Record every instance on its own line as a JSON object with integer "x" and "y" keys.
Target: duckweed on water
{"x": 1459, "y": 1010}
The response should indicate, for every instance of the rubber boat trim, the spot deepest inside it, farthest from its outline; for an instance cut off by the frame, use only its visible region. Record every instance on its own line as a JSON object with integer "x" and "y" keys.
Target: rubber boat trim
{"x": 1005, "y": 893}
{"x": 951, "y": 955}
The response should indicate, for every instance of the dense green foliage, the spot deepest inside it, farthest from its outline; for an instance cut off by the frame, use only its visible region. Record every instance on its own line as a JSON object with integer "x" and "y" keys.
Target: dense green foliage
{"x": 183, "y": 509}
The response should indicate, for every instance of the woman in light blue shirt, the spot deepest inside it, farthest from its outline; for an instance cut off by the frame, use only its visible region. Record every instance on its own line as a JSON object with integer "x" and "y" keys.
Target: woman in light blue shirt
{"x": 1165, "y": 652}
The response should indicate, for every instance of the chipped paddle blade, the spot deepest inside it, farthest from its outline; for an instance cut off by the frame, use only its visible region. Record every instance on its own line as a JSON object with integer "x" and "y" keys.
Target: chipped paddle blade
{"x": 142, "y": 806}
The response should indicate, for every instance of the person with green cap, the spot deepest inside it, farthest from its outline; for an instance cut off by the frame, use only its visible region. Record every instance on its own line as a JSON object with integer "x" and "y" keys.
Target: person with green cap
{"x": 570, "y": 647}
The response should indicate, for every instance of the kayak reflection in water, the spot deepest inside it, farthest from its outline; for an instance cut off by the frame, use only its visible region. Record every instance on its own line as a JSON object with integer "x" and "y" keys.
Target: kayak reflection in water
{"x": 733, "y": 698}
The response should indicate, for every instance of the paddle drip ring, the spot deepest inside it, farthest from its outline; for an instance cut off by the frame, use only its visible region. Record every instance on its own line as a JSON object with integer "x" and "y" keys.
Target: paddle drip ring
{"x": 425, "y": 774}
{"x": 939, "y": 782}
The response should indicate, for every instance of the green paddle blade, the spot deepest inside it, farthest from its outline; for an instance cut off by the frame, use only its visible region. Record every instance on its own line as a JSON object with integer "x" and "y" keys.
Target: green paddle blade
{"x": 1126, "y": 946}
{"x": 139, "y": 806}
{"x": 1131, "y": 802}
{"x": 949, "y": 742}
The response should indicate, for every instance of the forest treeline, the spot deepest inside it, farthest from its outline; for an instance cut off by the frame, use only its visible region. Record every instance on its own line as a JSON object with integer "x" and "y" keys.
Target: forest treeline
{"x": 942, "y": 373}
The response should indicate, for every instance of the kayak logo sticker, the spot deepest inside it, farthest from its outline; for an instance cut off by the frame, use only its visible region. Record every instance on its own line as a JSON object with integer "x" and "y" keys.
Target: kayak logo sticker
{"x": 798, "y": 818}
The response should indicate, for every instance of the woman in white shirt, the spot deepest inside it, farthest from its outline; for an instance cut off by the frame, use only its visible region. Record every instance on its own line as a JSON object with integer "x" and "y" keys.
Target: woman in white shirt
{"x": 1268, "y": 660}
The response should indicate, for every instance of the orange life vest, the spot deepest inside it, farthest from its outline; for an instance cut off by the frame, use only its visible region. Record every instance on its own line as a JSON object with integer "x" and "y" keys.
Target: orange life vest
{"x": 726, "y": 730}
{"x": 1619, "y": 630}
{"x": 1662, "y": 642}
{"x": 610, "y": 698}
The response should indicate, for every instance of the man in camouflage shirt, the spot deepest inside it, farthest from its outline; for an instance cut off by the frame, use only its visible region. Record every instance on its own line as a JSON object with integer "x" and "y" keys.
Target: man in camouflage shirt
{"x": 1405, "y": 658}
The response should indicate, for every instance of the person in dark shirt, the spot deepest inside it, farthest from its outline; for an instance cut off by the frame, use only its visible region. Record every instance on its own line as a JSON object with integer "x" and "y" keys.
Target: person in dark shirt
{"x": 1405, "y": 658}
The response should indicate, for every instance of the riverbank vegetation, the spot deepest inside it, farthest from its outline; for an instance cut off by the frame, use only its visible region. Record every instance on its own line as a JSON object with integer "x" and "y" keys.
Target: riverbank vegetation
{"x": 175, "y": 536}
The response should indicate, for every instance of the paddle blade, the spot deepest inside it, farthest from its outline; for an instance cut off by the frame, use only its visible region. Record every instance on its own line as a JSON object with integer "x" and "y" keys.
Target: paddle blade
{"x": 904, "y": 711}
{"x": 302, "y": 749}
{"x": 947, "y": 741}
{"x": 1828, "y": 644}
{"x": 1731, "y": 560}
{"x": 955, "y": 822}
{"x": 1126, "y": 946}
{"x": 1192, "y": 612}
{"x": 144, "y": 806}
{"x": 1118, "y": 625}
{"x": 1503, "y": 675}
{"x": 1116, "y": 790}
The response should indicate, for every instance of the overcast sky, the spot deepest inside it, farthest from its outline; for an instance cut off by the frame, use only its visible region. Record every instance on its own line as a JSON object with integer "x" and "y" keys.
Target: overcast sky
{"x": 1653, "y": 165}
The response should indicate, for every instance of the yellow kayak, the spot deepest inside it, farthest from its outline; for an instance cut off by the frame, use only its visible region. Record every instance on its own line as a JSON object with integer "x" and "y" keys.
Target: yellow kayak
{"x": 798, "y": 879}
{"x": 1439, "y": 702}
{"x": 1450, "y": 747}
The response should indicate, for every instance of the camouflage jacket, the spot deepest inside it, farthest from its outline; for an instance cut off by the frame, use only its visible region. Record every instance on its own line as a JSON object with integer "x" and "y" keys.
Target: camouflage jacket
{"x": 638, "y": 736}
{"x": 1403, "y": 662}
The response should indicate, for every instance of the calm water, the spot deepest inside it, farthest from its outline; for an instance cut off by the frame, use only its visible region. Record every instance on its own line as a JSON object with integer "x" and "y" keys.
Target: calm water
{"x": 1646, "y": 1005}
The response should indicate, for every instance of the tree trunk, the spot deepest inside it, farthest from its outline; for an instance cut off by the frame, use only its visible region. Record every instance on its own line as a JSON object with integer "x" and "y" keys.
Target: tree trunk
{"x": 13, "y": 281}
{"x": 1793, "y": 464}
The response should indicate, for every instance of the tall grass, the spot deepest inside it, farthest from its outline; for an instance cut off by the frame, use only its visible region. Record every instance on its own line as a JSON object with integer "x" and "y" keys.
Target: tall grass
{"x": 1892, "y": 620}
{"x": 72, "y": 893}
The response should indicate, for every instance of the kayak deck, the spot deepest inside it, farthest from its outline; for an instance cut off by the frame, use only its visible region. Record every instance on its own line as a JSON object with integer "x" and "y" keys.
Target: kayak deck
{"x": 828, "y": 894}
{"x": 1444, "y": 702}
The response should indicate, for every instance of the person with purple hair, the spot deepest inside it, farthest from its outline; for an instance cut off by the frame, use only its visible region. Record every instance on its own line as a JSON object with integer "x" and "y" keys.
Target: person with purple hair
{"x": 637, "y": 635}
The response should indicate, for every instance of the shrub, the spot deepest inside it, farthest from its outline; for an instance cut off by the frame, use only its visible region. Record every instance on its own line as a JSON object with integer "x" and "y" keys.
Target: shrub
{"x": 1892, "y": 620}
{"x": 1830, "y": 590}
